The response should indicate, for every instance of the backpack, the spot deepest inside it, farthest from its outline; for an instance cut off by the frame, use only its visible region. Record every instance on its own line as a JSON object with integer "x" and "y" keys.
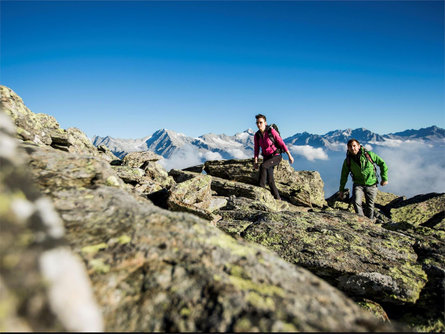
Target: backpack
{"x": 269, "y": 133}
{"x": 348, "y": 162}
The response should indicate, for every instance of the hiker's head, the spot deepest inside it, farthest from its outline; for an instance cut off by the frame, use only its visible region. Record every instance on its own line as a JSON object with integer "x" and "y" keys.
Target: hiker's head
{"x": 261, "y": 122}
{"x": 353, "y": 146}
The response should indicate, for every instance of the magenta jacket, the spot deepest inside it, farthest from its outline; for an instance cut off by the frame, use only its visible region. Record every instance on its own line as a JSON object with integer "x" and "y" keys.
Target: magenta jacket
{"x": 267, "y": 147}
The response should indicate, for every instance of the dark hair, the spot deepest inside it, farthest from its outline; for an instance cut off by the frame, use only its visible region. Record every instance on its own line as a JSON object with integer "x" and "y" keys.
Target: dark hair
{"x": 353, "y": 140}
{"x": 260, "y": 116}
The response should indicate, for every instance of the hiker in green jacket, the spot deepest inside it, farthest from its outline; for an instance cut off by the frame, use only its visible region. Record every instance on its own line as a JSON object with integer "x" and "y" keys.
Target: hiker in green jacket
{"x": 361, "y": 164}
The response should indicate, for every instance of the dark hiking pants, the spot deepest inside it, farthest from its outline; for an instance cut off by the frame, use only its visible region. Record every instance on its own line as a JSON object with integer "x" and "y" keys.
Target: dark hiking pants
{"x": 266, "y": 173}
{"x": 370, "y": 193}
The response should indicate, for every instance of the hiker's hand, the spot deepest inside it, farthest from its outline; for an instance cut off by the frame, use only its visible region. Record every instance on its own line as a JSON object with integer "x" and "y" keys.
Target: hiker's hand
{"x": 384, "y": 183}
{"x": 341, "y": 195}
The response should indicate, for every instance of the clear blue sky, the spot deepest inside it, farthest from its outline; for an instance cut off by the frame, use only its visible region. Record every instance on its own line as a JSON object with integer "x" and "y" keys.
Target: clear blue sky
{"x": 126, "y": 69}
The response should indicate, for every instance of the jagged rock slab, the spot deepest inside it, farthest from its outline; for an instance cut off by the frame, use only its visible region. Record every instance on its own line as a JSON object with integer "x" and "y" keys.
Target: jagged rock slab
{"x": 193, "y": 195}
{"x": 79, "y": 171}
{"x": 140, "y": 159}
{"x": 298, "y": 187}
{"x": 427, "y": 210}
{"x": 430, "y": 247}
{"x": 225, "y": 188}
{"x": 349, "y": 251}
{"x": 129, "y": 174}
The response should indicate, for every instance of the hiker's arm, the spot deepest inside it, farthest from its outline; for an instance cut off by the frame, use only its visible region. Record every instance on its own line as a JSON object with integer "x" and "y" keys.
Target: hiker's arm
{"x": 256, "y": 149}
{"x": 383, "y": 168}
{"x": 344, "y": 176}
{"x": 291, "y": 159}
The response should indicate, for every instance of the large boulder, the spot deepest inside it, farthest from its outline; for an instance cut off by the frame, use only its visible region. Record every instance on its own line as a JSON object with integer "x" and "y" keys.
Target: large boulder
{"x": 426, "y": 210}
{"x": 79, "y": 170}
{"x": 302, "y": 188}
{"x": 429, "y": 245}
{"x": 208, "y": 196}
{"x": 44, "y": 286}
{"x": 142, "y": 170}
{"x": 140, "y": 159}
{"x": 193, "y": 195}
{"x": 224, "y": 188}
{"x": 349, "y": 251}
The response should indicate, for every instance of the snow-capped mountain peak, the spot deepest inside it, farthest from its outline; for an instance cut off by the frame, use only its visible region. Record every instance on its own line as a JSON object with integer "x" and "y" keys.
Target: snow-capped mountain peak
{"x": 166, "y": 142}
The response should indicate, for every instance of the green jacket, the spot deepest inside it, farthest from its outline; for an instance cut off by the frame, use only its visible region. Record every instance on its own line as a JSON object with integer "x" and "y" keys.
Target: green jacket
{"x": 364, "y": 174}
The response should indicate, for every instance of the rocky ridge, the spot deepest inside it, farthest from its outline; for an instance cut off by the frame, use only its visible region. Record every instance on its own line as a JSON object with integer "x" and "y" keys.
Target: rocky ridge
{"x": 202, "y": 249}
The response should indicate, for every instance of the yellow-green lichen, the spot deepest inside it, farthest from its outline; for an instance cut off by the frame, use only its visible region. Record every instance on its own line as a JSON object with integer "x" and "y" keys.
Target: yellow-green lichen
{"x": 411, "y": 275}
{"x": 419, "y": 324}
{"x": 112, "y": 181}
{"x": 185, "y": 312}
{"x": 261, "y": 288}
{"x": 237, "y": 271}
{"x": 260, "y": 302}
{"x": 124, "y": 239}
{"x": 93, "y": 249}
{"x": 6, "y": 201}
{"x": 243, "y": 325}
{"x": 271, "y": 241}
{"x": 227, "y": 242}
{"x": 99, "y": 266}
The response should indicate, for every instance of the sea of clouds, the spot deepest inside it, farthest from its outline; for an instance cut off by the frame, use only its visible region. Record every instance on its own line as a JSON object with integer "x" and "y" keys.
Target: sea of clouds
{"x": 414, "y": 167}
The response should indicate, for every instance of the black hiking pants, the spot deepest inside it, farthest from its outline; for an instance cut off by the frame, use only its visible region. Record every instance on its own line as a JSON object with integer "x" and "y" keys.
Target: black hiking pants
{"x": 266, "y": 173}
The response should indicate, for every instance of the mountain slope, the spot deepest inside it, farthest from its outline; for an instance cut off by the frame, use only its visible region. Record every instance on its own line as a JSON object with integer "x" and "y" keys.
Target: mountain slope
{"x": 167, "y": 142}
{"x": 432, "y": 133}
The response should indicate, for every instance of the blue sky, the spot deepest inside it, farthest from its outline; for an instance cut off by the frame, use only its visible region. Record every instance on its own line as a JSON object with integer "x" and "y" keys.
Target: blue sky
{"x": 127, "y": 69}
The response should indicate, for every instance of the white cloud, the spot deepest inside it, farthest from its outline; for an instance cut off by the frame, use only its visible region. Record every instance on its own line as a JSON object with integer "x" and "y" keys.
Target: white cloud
{"x": 398, "y": 143}
{"x": 368, "y": 147}
{"x": 309, "y": 152}
{"x": 239, "y": 154}
{"x": 184, "y": 157}
{"x": 209, "y": 155}
{"x": 414, "y": 168}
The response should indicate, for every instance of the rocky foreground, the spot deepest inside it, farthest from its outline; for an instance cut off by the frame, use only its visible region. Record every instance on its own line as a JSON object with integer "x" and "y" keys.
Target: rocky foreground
{"x": 90, "y": 242}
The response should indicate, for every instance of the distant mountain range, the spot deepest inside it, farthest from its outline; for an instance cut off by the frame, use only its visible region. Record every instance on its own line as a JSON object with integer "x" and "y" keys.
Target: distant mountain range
{"x": 166, "y": 142}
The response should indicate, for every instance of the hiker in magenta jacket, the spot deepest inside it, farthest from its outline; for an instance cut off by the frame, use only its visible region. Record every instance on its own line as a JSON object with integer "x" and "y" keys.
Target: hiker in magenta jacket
{"x": 270, "y": 153}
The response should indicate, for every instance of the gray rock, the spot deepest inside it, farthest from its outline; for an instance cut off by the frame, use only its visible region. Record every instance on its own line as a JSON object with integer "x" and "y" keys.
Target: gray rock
{"x": 349, "y": 251}
{"x": 43, "y": 285}
{"x": 140, "y": 159}
{"x": 302, "y": 188}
